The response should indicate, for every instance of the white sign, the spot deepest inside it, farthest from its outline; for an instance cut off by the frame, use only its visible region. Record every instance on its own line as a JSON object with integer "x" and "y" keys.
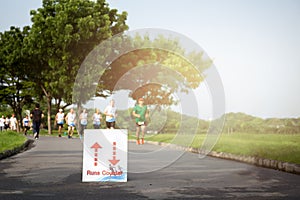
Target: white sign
{"x": 105, "y": 155}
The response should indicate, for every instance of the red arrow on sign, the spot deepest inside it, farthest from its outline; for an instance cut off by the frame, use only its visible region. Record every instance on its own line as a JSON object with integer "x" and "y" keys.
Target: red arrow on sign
{"x": 114, "y": 161}
{"x": 96, "y": 146}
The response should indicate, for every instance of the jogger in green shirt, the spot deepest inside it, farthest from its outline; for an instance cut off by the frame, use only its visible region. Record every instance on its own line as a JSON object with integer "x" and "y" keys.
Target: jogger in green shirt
{"x": 140, "y": 112}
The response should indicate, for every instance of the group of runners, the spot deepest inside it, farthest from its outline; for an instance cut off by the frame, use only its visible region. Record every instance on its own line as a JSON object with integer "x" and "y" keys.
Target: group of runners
{"x": 140, "y": 113}
{"x": 110, "y": 113}
{"x": 11, "y": 123}
{"x": 8, "y": 123}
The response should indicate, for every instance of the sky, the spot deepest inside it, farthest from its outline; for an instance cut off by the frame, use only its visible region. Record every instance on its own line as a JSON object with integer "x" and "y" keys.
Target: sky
{"x": 254, "y": 44}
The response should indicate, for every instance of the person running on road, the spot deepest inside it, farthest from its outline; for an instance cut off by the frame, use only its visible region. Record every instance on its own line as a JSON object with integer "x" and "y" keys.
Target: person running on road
{"x": 13, "y": 122}
{"x": 6, "y": 123}
{"x": 36, "y": 116}
{"x": 111, "y": 114}
{"x": 140, "y": 112}
{"x": 60, "y": 121}
{"x": 71, "y": 119}
{"x": 26, "y": 124}
{"x": 2, "y": 123}
{"x": 83, "y": 117}
{"x": 97, "y": 119}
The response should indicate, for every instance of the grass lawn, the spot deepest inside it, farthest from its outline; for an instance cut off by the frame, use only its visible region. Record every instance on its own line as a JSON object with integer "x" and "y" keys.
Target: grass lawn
{"x": 272, "y": 146}
{"x": 11, "y": 139}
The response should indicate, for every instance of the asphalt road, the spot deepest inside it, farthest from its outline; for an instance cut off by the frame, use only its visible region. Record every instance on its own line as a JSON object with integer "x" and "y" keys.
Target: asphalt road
{"x": 52, "y": 170}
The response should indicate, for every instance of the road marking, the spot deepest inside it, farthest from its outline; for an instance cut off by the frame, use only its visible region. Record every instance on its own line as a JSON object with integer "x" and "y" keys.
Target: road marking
{"x": 11, "y": 192}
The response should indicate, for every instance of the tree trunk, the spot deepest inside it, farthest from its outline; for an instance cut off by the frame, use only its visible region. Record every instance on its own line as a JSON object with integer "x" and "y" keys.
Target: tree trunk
{"x": 49, "y": 98}
{"x": 49, "y": 114}
{"x": 19, "y": 119}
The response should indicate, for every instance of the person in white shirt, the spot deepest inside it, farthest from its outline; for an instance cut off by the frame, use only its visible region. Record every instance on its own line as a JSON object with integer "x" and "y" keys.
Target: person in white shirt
{"x": 13, "y": 122}
{"x": 26, "y": 124}
{"x": 60, "y": 121}
{"x": 111, "y": 114}
{"x": 71, "y": 120}
{"x": 2, "y": 122}
{"x": 83, "y": 121}
{"x": 97, "y": 119}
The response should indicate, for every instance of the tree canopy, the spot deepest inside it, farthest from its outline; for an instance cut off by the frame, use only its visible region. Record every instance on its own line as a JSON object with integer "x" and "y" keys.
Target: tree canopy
{"x": 140, "y": 65}
{"x": 15, "y": 86}
{"x": 62, "y": 34}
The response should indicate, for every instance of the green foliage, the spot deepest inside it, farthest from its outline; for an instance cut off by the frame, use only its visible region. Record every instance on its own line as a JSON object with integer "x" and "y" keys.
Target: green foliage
{"x": 5, "y": 110}
{"x": 164, "y": 120}
{"x": 15, "y": 86}
{"x": 62, "y": 35}
{"x": 153, "y": 72}
{"x": 240, "y": 122}
{"x": 42, "y": 61}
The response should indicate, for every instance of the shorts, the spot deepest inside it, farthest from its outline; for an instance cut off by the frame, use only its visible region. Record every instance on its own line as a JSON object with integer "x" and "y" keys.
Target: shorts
{"x": 60, "y": 125}
{"x": 6, "y": 126}
{"x": 96, "y": 126}
{"x": 138, "y": 124}
{"x": 110, "y": 124}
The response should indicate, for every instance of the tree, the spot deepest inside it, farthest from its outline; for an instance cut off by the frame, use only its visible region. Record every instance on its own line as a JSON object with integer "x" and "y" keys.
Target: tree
{"x": 15, "y": 86}
{"x": 62, "y": 34}
{"x": 153, "y": 73}
{"x": 154, "y": 68}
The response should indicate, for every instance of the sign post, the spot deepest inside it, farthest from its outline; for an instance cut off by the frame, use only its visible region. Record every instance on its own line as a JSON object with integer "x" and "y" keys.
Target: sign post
{"x": 105, "y": 155}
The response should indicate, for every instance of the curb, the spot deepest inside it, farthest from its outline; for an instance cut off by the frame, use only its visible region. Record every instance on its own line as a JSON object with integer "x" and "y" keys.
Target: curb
{"x": 261, "y": 162}
{"x": 25, "y": 146}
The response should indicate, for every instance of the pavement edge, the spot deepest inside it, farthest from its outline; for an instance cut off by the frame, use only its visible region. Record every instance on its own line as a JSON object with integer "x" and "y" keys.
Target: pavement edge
{"x": 261, "y": 162}
{"x": 25, "y": 146}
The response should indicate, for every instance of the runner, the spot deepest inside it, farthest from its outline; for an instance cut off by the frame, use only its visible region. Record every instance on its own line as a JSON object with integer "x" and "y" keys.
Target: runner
{"x": 111, "y": 114}
{"x": 60, "y": 121}
{"x": 36, "y": 116}
{"x": 97, "y": 119}
{"x": 71, "y": 119}
{"x": 2, "y": 123}
{"x": 13, "y": 122}
{"x": 83, "y": 122}
{"x": 26, "y": 124}
{"x": 140, "y": 112}
{"x": 6, "y": 123}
